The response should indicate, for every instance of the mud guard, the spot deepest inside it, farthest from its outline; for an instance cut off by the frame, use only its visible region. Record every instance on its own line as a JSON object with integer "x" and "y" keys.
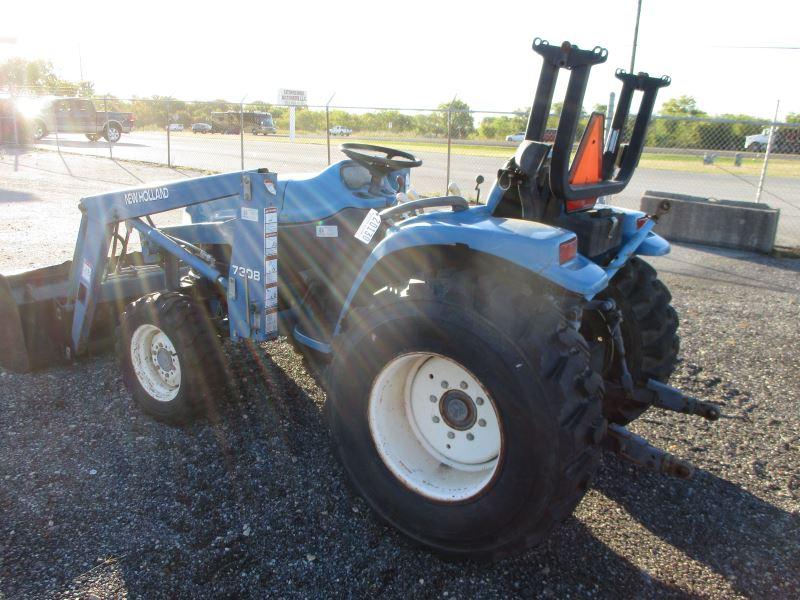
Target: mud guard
{"x": 528, "y": 244}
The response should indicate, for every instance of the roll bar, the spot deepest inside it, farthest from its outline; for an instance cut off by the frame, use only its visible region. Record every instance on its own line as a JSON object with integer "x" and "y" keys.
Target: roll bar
{"x": 579, "y": 62}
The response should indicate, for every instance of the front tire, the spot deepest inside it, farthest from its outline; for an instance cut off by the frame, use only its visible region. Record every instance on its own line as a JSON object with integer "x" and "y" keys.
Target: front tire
{"x": 39, "y": 130}
{"x": 92, "y": 137}
{"x": 171, "y": 357}
{"x": 523, "y": 385}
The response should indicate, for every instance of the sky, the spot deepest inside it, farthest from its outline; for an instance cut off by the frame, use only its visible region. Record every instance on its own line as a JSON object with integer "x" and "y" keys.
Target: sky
{"x": 412, "y": 53}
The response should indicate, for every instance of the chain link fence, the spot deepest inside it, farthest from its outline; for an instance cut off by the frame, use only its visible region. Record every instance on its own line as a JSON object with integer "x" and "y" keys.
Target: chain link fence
{"x": 731, "y": 159}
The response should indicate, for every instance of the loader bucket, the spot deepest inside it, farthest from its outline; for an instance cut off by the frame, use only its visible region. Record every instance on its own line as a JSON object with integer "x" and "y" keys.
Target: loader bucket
{"x": 32, "y": 334}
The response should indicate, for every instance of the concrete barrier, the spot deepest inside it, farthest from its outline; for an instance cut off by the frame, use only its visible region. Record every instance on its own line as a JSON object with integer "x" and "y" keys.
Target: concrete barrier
{"x": 724, "y": 223}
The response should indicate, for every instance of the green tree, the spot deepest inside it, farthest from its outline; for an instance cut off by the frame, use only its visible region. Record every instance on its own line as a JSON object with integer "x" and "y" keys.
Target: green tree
{"x": 684, "y": 106}
{"x": 793, "y": 118}
{"x": 462, "y": 124}
{"x": 37, "y": 76}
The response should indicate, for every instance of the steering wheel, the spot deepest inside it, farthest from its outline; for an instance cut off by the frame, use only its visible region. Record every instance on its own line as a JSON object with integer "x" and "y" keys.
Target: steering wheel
{"x": 379, "y": 161}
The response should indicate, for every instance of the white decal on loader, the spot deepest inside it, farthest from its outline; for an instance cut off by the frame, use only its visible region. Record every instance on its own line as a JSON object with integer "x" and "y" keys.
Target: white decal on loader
{"x": 148, "y": 195}
{"x": 86, "y": 272}
{"x": 327, "y": 231}
{"x": 250, "y": 214}
{"x": 247, "y": 273}
{"x": 369, "y": 226}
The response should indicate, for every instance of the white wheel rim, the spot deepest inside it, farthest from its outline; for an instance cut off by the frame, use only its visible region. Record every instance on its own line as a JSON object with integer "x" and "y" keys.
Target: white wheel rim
{"x": 435, "y": 426}
{"x": 113, "y": 134}
{"x": 155, "y": 362}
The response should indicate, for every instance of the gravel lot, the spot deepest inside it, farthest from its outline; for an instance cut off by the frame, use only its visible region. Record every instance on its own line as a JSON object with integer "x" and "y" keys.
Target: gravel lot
{"x": 98, "y": 500}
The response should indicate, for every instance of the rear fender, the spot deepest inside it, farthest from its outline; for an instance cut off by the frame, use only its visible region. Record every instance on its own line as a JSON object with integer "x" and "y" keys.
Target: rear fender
{"x": 532, "y": 246}
{"x": 652, "y": 244}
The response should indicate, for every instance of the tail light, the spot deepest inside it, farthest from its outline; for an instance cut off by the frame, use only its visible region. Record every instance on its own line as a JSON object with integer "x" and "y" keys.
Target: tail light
{"x": 567, "y": 250}
{"x": 133, "y": 118}
{"x": 641, "y": 221}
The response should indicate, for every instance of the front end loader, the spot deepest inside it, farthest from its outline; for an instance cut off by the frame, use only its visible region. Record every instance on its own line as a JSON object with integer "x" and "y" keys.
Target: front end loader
{"x": 477, "y": 358}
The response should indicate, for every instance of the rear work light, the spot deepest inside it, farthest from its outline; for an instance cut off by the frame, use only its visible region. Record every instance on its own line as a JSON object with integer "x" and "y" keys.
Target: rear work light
{"x": 567, "y": 250}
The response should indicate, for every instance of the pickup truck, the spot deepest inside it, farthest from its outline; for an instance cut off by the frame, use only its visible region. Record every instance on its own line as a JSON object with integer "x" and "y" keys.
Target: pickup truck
{"x": 340, "y": 130}
{"x": 785, "y": 141}
{"x": 78, "y": 115}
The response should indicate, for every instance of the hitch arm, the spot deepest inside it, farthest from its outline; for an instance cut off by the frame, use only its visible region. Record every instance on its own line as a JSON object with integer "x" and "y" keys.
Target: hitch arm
{"x": 638, "y": 450}
{"x": 670, "y": 398}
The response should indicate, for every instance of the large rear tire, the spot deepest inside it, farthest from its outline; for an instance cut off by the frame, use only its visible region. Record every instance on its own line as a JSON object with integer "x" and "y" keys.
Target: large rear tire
{"x": 468, "y": 418}
{"x": 649, "y": 332}
{"x": 171, "y": 358}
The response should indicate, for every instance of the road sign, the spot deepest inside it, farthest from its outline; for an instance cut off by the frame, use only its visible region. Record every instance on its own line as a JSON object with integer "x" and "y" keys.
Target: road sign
{"x": 292, "y": 97}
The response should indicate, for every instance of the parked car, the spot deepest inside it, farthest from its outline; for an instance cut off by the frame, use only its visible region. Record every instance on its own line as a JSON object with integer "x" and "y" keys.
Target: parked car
{"x": 201, "y": 128}
{"x": 175, "y": 127}
{"x": 549, "y": 135}
{"x": 340, "y": 130}
{"x": 78, "y": 115}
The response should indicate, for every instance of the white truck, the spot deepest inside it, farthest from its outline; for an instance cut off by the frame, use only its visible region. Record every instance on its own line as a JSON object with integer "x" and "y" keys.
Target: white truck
{"x": 340, "y": 130}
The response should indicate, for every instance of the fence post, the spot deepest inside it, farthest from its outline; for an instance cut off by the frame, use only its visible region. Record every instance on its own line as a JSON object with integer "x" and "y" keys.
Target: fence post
{"x": 110, "y": 145}
{"x": 449, "y": 142}
{"x": 169, "y": 148}
{"x": 610, "y": 111}
{"x": 328, "y": 125}
{"x": 766, "y": 154}
{"x": 328, "y": 132}
{"x": 241, "y": 131}
{"x": 14, "y": 115}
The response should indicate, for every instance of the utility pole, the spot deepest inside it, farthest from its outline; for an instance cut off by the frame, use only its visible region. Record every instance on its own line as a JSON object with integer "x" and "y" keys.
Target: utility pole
{"x": 636, "y": 35}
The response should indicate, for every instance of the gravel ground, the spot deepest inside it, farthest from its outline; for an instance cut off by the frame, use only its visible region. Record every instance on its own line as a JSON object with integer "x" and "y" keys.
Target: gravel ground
{"x": 98, "y": 500}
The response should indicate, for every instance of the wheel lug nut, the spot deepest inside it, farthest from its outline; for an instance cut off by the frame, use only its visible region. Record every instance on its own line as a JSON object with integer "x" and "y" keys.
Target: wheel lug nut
{"x": 451, "y": 435}
{"x": 464, "y": 385}
{"x": 479, "y": 401}
{"x": 445, "y": 385}
{"x": 482, "y": 422}
{"x": 470, "y": 437}
{"x": 433, "y": 398}
{"x": 435, "y": 419}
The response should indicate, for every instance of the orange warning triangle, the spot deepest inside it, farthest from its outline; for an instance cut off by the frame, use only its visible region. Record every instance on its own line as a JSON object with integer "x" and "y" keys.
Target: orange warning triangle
{"x": 587, "y": 167}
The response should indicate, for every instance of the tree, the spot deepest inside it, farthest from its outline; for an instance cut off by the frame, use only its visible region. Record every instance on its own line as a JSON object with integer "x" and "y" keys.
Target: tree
{"x": 685, "y": 106}
{"x": 793, "y": 118}
{"x": 462, "y": 124}
{"x": 37, "y": 76}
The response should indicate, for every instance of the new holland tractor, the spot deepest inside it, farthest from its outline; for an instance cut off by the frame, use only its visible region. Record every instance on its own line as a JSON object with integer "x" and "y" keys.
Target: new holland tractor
{"x": 476, "y": 358}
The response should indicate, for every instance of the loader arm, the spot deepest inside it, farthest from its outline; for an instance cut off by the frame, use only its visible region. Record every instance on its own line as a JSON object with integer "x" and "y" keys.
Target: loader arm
{"x": 45, "y": 308}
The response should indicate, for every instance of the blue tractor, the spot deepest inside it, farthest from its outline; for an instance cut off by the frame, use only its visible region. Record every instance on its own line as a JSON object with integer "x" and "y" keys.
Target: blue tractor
{"x": 476, "y": 358}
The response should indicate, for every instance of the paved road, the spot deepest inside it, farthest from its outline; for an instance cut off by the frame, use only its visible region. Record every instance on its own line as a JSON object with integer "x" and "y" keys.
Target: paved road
{"x": 222, "y": 153}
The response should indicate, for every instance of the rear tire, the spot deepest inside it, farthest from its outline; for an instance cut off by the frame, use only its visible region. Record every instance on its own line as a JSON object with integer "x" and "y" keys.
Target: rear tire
{"x": 649, "y": 332}
{"x": 112, "y": 133}
{"x": 532, "y": 370}
{"x": 171, "y": 358}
